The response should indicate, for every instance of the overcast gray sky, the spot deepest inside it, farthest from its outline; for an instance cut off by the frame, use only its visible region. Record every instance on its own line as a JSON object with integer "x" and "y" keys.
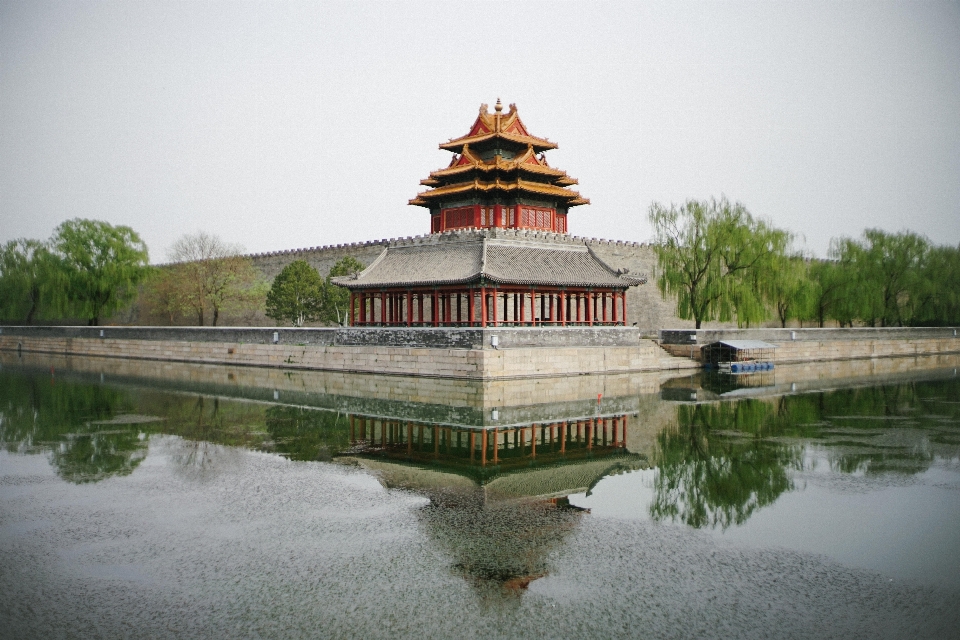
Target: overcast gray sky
{"x": 281, "y": 125}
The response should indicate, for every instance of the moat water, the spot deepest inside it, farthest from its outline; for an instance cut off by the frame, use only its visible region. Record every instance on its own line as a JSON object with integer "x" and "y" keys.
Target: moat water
{"x": 150, "y": 500}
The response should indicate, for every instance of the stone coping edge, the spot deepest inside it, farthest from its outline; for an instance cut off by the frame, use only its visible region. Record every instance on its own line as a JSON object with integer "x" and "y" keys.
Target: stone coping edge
{"x": 417, "y": 337}
{"x": 777, "y": 335}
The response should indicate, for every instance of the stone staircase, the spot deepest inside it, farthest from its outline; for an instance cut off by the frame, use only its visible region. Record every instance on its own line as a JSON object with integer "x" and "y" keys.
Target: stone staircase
{"x": 679, "y": 356}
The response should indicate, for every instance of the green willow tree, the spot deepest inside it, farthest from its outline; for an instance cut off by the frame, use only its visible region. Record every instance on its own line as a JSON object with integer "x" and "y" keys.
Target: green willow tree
{"x": 788, "y": 288}
{"x": 830, "y": 296}
{"x": 941, "y": 305}
{"x": 98, "y": 267}
{"x": 26, "y": 271}
{"x": 884, "y": 272}
{"x": 297, "y": 294}
{"x": 712, "y": 255}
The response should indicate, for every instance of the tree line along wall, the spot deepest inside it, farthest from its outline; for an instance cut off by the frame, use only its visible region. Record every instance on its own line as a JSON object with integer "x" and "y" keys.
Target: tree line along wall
{"x": 645, "y": 306}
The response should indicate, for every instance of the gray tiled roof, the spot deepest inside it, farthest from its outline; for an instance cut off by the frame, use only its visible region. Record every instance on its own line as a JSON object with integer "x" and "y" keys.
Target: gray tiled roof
{"x": 748, "y": 344}
{"x": 470, "y": 257}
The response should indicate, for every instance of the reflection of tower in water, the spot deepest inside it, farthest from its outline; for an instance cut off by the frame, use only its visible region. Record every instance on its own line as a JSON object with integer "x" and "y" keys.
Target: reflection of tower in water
{"x": 499, "y": 547}
{"x": 498, "y": 495}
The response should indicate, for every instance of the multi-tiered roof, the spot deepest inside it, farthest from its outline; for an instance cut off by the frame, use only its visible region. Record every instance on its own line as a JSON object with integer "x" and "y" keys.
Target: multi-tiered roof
{"x": 499, "y": 253}
{"x": 499, "y": 169}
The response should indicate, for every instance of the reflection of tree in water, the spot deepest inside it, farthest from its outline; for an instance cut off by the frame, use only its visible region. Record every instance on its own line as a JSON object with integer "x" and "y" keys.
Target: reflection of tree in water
{"x": 725, "y": 460}
{"x": 91, "y": 457}
{"x": 715, "y": 468}
{"x": 895, "y": 428}
{"x": 77, "y": 423}
{"x": 39, "y": 410}
{"x": 301, "y": 433}
{"x": 498, "y": 547}
{"x": 201, "y": 422}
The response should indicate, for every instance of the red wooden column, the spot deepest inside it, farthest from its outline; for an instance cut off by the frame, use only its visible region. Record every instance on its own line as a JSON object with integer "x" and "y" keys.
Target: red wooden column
{"x": 409, "y": 308}
{"x": 603, "y": 304}
{"x": 496, "y": 445}
{"x": 522, "y": 298}
{"x": 471, "y": 307}
{"x": 616, "y": 301}
{"x": 562, "y": 306}
{"x": 589, "y": 308}
{"x": 352, "y": 307}
{"x": 494, "y": 297}
{"x": 436, "y": 309}
{"x": 483, "y": 307}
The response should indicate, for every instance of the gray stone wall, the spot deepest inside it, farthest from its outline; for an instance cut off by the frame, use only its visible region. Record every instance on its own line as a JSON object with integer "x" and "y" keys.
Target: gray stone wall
{"x": 320, "y": 258}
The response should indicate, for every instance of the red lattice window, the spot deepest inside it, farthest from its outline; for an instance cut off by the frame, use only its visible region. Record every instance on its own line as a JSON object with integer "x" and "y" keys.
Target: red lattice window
{"x": 458, "y": 218}
{"x": 536, "y": 218}
{"x": 486, "y": 216}
{"x": 561, "y": 223}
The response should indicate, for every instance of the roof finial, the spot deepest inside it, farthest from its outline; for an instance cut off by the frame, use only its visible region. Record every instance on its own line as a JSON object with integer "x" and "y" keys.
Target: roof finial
{"x": 498, "y": 107}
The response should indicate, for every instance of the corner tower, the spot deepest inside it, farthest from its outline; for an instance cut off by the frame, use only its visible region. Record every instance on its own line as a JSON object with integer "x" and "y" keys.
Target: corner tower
{"x": 498, "y": 177}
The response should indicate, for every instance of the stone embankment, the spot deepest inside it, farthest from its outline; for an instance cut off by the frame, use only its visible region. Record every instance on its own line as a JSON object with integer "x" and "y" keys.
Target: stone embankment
{"x": 481, "y": 354}
{"x": 464, "y": 353}
{"x": 821, "y": 345}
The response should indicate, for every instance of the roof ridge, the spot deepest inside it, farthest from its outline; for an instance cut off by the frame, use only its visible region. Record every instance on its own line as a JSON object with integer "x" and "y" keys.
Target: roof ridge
{"x": 483, "y": 257}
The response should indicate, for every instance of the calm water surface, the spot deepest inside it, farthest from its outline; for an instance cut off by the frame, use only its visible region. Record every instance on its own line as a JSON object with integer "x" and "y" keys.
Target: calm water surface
{"x": 149, "y": 500}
